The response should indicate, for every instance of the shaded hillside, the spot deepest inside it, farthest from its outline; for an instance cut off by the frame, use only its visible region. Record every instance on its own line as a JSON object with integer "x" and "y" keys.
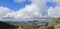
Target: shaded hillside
{"x": 4, "y": 25}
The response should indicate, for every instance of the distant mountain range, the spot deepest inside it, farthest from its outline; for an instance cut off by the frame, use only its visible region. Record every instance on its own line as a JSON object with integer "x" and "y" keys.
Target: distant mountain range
{"x": 34, "y": 21}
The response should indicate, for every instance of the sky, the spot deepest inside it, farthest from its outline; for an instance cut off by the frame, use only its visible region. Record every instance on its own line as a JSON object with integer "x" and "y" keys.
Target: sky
{"x": 14, "y": 5}
{"x": 17, "y": 5}
{"x": 22, "y": 9}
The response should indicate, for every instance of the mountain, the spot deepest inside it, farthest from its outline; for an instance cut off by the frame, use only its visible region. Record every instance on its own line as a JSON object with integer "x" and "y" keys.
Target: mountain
{"x": 34, "y": 22}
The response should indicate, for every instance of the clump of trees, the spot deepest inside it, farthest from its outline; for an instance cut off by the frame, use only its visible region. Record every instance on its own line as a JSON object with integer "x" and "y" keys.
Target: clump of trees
{"x": 53, "y": 24}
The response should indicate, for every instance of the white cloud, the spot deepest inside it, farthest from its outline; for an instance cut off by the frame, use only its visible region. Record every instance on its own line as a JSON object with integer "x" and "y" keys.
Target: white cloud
{"x": 39, "y": 3}
{"x": 30, "y": 11}
{"x": 54, "y": 12}
{"x": 3, "y": 12}
{"x": 42, "y": 5}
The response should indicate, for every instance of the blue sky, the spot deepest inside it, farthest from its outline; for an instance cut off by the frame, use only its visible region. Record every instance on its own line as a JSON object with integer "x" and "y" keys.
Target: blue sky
{"x": 50, "y": 4}
{"x": 15, "y": 6}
